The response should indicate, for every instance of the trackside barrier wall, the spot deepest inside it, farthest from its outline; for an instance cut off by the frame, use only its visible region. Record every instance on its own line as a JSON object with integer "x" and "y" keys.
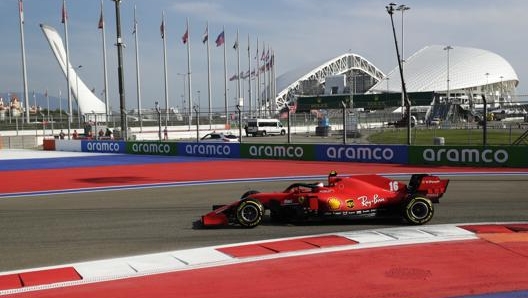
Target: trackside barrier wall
{"x": 490, "y": 156}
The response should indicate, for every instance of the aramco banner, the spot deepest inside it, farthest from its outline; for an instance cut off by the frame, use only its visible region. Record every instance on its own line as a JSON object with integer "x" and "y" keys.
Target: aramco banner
{"x": 489, "y": 156}
{"x": 152, "y": 148}
{"x": 219, "y": 150}
{"x": 362, "y": 153}
{"x": 103, "y": 146}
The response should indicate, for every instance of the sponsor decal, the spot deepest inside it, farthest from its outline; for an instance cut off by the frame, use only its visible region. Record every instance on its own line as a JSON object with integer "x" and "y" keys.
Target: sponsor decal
{"x": 366, "y": 202}
{"x": 466, "y": 155}
{"x": 350, "y": 204}
{"x": 334, "y": 203}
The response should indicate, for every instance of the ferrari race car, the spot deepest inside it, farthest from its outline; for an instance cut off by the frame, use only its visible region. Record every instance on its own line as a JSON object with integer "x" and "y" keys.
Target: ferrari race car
{"x": 342, "y": 197}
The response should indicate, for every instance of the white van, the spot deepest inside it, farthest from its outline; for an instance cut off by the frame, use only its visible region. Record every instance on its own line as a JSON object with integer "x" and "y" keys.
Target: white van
{"x": 263, "y": 127}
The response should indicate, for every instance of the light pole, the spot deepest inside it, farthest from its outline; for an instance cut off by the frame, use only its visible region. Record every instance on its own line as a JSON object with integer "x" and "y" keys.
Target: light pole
{"x": 447, "y": 49}
{"x": 390, "y": 11}
{"x": 501, "y": 99}
{"x": 120, "y": 72}
{"x": 402, "y": 8}
{"x": 487, "y": 81}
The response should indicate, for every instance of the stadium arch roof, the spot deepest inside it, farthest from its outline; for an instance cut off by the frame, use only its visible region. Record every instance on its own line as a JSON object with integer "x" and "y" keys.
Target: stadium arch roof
{"x": 288, "y": 83}
{"x": 426, "y": 70}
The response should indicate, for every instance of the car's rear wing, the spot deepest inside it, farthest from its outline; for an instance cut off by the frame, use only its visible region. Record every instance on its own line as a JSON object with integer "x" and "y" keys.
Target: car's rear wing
{"x": 427, "y": 185}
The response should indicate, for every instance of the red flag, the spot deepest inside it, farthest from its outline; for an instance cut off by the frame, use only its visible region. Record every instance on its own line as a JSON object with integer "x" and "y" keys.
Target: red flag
{"x": 185, "y": 36}
{"x": 101, "y": 20}
{"x": 64, "y": 13}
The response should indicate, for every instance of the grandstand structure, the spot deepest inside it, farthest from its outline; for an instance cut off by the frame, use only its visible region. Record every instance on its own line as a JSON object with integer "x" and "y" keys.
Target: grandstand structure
{"x": 460, "y": 77}
{"x": 360, "y": 75}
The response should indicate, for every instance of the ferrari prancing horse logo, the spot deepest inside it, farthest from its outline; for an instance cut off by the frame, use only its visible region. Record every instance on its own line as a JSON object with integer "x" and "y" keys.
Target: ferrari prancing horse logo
{"x": 350, "y": 204}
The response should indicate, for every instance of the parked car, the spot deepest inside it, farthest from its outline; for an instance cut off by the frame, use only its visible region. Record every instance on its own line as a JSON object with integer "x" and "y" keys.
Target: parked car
{"x": 435, "y": 121}
{"x": 219, "y": 137}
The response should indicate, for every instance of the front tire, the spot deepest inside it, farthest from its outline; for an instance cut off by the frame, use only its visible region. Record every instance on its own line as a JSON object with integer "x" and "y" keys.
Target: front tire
{"x": 418, "y": 211}
{"x": 249, "y": 213}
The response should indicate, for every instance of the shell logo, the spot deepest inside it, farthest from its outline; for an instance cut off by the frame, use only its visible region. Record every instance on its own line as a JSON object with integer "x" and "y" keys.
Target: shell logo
{"x": 334, "y": 203}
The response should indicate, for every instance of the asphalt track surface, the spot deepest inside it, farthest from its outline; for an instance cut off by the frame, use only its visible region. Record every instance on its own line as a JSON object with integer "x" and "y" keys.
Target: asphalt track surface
{"x": 118, "y": 218}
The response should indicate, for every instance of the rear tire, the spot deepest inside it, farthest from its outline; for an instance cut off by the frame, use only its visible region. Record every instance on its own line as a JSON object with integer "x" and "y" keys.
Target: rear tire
{"x": 418, "y": 211}
{"x": 249, "y": 213}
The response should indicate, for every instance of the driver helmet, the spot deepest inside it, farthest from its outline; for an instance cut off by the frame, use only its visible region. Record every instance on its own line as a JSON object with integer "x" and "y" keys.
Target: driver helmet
{"x": 332, "y": 178}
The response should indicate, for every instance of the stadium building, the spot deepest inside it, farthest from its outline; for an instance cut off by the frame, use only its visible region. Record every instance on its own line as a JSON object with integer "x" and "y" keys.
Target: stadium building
{"x": 459, "y": 77}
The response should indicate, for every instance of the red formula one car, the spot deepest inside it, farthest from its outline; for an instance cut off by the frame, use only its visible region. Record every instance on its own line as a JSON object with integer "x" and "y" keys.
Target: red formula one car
{"x": 343, "y": 197}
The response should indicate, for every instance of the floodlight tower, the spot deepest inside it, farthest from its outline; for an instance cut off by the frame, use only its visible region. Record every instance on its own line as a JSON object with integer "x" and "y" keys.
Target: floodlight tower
{"x": 390, "y": 10}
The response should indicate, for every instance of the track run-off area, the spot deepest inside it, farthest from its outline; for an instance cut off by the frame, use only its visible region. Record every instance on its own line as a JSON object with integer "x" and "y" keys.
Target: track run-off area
{"x": 57, "y": 210}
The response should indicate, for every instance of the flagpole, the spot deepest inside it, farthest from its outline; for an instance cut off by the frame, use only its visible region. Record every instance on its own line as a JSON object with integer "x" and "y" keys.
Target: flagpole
{"x": 273, "y": 75}
{"x": 249, "y": 77}
{"x": 24, "y": 68}
{"x": 265, "y": 91}
{"x": 60, "y": 105}
{"x": 105, "y": 73}
{"x": 65, "y": 22}
{"x": 225, "y": 80}
{"x": 238, "y": 68}
{"x": 206, "y": 38}
{"x": 138, "y": 80}
{"x": 164, "y": 38}
{"x": 258, "y": 95}
{"x": 270, "y": 84}
{"x": 189, "y": 88}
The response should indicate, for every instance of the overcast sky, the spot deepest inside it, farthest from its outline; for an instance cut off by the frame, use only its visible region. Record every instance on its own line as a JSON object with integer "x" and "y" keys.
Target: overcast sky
{"x": 299, "y": 31}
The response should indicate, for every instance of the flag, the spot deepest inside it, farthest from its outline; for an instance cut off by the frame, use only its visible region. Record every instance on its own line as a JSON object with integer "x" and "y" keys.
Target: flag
{"x": 21, "y": 11}
{"x": 162, "y": 29}
{"x": 64, "y": 13}
{"x": 205, "y": 36}
{"x": 233, "y": 77}
{"x": 101, "y": 21}
{"x": 185, "y": 36}
{"x": 235, "y": 46}
{"x": 220, "y": 39}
